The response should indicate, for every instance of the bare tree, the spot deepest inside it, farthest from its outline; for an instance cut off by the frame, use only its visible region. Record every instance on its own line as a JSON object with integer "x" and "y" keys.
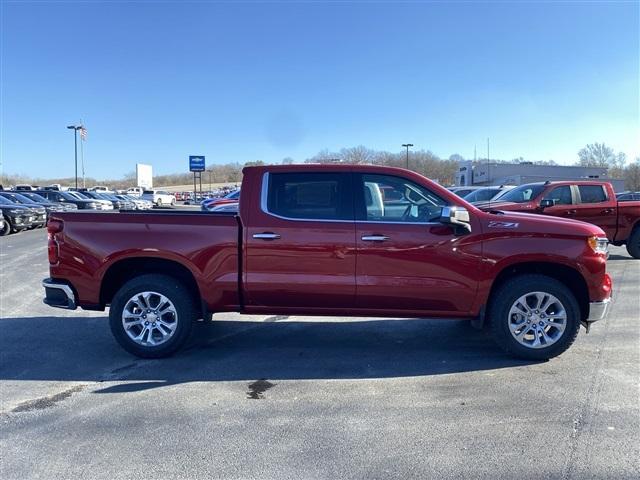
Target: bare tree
{"x": 632, "y": 176}
{"x": 596, "y": 155}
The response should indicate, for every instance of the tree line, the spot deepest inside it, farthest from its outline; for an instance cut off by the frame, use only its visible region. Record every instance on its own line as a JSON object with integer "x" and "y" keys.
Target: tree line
{"x": 424, "y": 162}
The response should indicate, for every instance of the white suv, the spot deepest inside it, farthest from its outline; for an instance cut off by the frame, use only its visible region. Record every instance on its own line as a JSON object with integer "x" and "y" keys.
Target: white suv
{"x": 159, "y": 197}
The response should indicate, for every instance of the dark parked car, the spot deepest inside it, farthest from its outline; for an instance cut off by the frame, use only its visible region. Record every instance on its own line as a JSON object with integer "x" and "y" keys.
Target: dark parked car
{"x": 16, "y": 217}
{"x": 40, "y": 217}
{"x": 66, "y": 197}
{"x": 45, "y": 205}
{"x": 628, "y": 196}
{"x": 65, "y": 207}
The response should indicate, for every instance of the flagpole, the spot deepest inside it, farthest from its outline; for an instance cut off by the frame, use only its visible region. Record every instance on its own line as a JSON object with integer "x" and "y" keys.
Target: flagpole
{"x": 82, "y": 153}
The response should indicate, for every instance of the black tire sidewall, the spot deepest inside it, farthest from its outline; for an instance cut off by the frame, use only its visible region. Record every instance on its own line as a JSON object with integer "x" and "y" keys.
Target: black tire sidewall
{"x": 513, "y": 289}
{"x": 633, "y": 243}
{"x": 5, "y": 228}
{"x": 170, "y": 288}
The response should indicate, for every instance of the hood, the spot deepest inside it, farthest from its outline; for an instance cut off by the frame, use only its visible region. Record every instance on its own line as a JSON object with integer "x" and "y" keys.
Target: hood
{"x": 523, "y": 223}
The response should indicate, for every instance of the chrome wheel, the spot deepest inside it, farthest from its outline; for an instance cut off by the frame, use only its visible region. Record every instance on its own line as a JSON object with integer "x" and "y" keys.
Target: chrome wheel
{"x": 537, "y": 319}
{"x": 149, "y": 318}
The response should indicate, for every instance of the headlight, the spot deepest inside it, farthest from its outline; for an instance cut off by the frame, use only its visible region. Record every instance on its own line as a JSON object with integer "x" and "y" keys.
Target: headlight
{"x": 16, "y": 211}
{"x": 598, "y": 244}
{"x": 92, "y": 205}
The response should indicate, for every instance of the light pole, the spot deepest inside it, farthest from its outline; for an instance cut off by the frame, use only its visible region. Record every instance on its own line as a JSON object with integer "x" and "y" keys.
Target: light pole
{"x": 75, "y": 129}
{"x": 407, "y": 145}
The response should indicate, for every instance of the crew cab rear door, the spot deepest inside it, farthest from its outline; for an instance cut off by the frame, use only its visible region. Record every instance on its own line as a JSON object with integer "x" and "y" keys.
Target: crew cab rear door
{"x": 594, "y": 206}
{"x": 408, "y": 261}
{"x": 300, "y": 242}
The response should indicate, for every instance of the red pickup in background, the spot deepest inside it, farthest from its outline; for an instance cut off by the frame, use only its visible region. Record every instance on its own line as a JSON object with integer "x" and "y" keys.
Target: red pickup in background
{"x": 590, "y": 201}
{"x": 333, "y": 240}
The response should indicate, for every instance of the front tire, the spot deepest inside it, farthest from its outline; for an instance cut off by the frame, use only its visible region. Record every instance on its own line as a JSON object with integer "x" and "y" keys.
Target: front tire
{"x": 159, "y": 203}
{"x": 151, "y": 315}
{"x": 534, "y": 317}
{"x": 633, "y": 243}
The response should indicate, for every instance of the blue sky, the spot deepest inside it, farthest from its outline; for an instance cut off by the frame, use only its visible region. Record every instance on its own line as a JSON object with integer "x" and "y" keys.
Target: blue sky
{"x": 157, "y": 81}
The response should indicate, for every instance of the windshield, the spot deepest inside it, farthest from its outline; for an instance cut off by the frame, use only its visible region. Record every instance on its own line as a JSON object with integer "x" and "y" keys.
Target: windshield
{"x": 481, "y": 195}
{"x": 71, "y": 196}
{"x": 35, "y": 197}
{"x": 522, "y": 194}
{"x": 17, "y": 198}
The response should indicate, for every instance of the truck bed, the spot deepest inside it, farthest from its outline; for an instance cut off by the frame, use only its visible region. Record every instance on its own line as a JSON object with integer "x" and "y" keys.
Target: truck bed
{"x": 94, "y": 245}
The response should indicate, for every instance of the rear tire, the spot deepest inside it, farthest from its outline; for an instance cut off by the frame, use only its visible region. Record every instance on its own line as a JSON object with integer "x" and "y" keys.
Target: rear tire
{"x": 534, "y": 317}
{"x": 633, "y": 243}
{"x": 137, "y": 320}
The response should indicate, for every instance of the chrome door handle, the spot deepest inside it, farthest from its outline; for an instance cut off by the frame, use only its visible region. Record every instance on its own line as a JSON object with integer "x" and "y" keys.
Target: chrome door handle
{"x": 266, "y": 236}
{"x": 374, "y": 238}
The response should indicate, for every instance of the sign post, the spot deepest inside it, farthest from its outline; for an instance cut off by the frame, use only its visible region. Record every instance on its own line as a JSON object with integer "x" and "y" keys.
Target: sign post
{"x": 197, "y": 166}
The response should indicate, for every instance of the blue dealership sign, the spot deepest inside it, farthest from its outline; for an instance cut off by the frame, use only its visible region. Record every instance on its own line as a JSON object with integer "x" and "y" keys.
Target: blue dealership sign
{"x": 196, "y": 163}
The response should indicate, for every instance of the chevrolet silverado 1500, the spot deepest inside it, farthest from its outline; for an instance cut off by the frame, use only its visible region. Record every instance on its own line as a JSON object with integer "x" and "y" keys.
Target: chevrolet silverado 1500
{"x": 333, "y": 240}
{"x": 588, "y": 200}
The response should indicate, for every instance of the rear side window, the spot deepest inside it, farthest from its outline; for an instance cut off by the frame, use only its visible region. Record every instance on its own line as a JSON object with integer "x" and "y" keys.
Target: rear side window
{"x": 310, "y": 196}
{"x": 560, "y": 195}
{"x": 148, "y": 192}
{"x": 592, "y": 194}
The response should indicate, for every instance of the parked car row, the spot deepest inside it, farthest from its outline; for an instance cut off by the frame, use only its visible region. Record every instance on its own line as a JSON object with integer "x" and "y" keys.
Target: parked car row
{"x": 26, "y": 209}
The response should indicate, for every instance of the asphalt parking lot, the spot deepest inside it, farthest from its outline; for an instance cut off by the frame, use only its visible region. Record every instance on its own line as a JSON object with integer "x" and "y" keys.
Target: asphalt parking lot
{"x": 277, "y": 397}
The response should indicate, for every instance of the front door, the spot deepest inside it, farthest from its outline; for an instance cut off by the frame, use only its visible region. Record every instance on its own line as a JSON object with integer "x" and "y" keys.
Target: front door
{"x": 563, "y": 198}
{"x": 300, "y": 244}
{"x": 407, "y": 260}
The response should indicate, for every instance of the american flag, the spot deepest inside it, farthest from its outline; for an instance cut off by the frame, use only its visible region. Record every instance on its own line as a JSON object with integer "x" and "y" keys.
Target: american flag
{"x": 83, "y": 132}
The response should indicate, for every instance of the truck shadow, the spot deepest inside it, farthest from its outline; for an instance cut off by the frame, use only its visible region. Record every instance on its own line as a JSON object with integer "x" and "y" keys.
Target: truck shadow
{"x": 82, "y": 349}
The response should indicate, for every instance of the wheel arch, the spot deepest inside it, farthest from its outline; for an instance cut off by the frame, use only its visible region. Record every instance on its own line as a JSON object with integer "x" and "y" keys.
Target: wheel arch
{"x": 126, "y": 269}
{"x": 570, "y": 277}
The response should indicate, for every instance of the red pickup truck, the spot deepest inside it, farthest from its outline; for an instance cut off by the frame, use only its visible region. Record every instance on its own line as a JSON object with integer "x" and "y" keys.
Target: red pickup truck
{"x": 333, "y": 240}
{"x": 590, "y": 201}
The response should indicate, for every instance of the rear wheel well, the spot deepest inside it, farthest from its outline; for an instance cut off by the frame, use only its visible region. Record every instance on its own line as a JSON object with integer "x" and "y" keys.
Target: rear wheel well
{"x": 124, "y": 270}
{"x": 570, "y": 277}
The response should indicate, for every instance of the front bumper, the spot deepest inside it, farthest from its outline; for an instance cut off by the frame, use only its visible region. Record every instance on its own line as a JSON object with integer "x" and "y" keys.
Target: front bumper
{"x": 58, "y": 294}
{"x": 599, "y": 310}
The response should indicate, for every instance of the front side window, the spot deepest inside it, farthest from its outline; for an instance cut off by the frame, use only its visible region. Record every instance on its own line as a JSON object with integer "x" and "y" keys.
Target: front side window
{"x": 592, "y": 194}
{"x": 387, "y": 198}
{"x": 310, "y": 196}
{"x": 560, "y": 195}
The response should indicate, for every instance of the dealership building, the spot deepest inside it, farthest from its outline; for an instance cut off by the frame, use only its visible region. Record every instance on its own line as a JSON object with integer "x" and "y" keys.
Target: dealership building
{"x": 484, "y": 174}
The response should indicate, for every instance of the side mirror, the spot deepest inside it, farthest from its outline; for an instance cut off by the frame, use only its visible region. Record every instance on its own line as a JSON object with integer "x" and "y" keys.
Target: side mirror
{"x": 547, "y": 202}
{"x": 457, "y": 217}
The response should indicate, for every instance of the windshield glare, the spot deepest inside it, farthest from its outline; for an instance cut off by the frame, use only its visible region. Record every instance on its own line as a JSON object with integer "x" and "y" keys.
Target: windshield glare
{"x": 522, "y": 194}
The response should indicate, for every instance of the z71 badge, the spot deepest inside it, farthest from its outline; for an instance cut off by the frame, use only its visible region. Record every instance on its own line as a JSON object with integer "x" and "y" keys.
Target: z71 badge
{"x": 496, "y": 224}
